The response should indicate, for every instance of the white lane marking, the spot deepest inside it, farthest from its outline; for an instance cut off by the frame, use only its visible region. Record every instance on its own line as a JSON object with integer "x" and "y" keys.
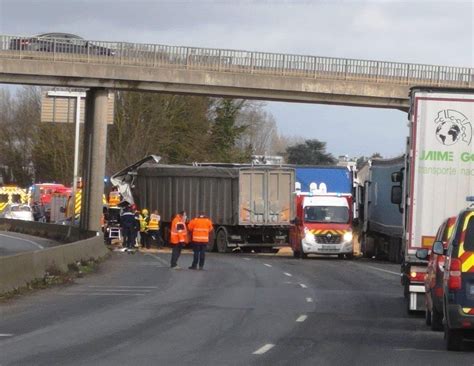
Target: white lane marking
{"x": 121, "y": 290}
{"x": 264, "y": 349}
{"x": 101, "y": 294}
{"x": 417, "y": 349}
{"x": 246, "y": 259}
{"x": 137, "y": 287}
{"x": 287, "y": 274}
{"x": 6, "y": 335}
{"x": 303, "y": 285}
{"x": 384, "y": 270}
{"x": 28, "y": 241}
{"x": 161, "y": 260}
{"x": 268, "y": 265}
{"x": 309, "y": 299}
{"x": 301, "y": 318}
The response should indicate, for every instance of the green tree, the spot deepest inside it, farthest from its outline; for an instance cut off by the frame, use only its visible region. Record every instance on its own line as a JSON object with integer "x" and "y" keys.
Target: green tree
{"x": 311, "y": 152}
{"x": 225, "y": 131}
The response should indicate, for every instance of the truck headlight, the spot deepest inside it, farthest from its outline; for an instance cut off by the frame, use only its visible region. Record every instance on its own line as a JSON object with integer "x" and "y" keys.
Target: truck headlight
{"x": 348, "y": 236}
{"x": 308, "y": 235}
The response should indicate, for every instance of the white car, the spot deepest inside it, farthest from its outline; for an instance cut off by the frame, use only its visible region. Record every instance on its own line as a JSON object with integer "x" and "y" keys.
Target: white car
{"x": 18, "y": 212}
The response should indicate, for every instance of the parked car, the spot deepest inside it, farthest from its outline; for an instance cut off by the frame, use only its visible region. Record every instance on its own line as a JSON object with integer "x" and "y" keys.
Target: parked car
{"x": 18, "y": 212}
{"x": 61, "y": 43}
{"x": 458, "y": 281}
{"x": 434, "y": 276}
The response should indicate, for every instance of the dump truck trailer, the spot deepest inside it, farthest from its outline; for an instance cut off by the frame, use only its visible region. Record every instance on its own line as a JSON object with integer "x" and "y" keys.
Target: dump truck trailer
{"x": 251, "y": 207}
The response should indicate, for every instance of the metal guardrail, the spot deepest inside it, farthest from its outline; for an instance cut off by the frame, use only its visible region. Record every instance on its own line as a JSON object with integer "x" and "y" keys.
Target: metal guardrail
{"x": 234, "y": 61}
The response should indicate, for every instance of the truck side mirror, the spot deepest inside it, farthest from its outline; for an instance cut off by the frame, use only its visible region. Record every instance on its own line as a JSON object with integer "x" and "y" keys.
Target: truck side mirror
{"x": 396, "y": 195}
{"x": 438, "y": 248}
{"x": 397, "y": 177}
{"x": 422, "y": 254}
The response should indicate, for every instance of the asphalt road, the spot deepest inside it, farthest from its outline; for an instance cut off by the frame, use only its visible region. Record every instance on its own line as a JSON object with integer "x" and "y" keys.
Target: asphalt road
{"x": 13, "y": 243}
{"x": 242, "y": 310}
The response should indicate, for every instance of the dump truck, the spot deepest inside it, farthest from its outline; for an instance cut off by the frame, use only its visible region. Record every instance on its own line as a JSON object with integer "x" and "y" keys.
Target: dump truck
{"x": 437, "y": 176}
{"x": 251, "y": 207}
{"x": 381, "y": 221}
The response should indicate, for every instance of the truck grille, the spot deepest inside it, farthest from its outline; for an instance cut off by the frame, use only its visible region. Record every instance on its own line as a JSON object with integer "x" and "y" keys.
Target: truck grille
{"x": 328, "y": 239}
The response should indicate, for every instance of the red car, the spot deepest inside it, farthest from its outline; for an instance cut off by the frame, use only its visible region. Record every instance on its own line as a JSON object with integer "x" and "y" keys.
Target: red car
{"x": 434, "y": 278}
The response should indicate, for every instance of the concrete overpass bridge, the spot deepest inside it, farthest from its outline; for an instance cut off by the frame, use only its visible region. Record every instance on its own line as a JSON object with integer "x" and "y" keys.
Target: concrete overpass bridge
{"x": 219, "y": 72}
{"x": 102, "y": 65}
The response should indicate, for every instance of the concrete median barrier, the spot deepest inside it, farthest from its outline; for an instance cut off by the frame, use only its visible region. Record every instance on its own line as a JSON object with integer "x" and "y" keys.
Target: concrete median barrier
{"x": 62, "y": 233}
{"x": 20, "y": 269}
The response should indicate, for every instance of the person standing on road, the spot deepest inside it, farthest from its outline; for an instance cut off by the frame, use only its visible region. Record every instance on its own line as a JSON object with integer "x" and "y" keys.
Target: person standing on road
{"x": 154, "y": 234}
{"x": 129, "y": 225}
{"x": 144, "y": 222}
{"x": 200, "y": 228}
{"x": 178, "y": 237}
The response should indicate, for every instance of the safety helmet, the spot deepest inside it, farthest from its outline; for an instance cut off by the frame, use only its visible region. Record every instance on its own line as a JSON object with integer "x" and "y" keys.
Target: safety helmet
{"x": 144, "y": 211}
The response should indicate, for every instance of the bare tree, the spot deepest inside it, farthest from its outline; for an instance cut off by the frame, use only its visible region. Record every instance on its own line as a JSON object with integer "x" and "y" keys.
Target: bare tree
{"x": 19, "y": 120}
{"x": 261, "y": 129}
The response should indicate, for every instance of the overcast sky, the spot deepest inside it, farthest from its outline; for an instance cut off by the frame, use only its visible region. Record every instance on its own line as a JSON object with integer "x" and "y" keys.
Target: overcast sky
{"x": 418, "y": 31}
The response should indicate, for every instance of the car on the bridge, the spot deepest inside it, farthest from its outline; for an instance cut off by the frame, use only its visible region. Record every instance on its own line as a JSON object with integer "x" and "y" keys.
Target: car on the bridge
{"x": 458, "y": 281}
{"x": 18, "y": 212}
{"x": 434, "y": 276}
{"x": 61, "y": 43}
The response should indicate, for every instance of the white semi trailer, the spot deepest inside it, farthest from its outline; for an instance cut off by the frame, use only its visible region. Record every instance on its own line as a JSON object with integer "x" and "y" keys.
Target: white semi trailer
{"x": 437, "y": 176}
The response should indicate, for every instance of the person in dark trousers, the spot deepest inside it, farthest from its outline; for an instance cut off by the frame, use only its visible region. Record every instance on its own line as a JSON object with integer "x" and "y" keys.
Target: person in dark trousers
{"x": 129, "y": 226}
{"x": 178, "y": 237}
{"x": 200, "y": 228}
{"x": 144, "y": 220}
{"x": 154, "y": 233}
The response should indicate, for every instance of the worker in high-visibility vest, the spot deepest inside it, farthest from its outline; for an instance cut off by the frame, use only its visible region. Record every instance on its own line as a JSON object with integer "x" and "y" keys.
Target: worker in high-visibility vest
{"x": 154, "y": 235}
{"x": 178, "y": 237}
{"x": 144, "y": 219}
{"x": 200, "y": 228}
{"x": 114, "y": 197}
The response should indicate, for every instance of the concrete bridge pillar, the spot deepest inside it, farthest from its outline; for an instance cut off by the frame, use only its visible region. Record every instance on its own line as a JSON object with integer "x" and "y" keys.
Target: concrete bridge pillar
{"x": 94, "y": 153}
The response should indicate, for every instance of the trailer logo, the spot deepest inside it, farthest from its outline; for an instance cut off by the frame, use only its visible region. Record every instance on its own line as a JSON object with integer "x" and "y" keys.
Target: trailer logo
{"x": 452, "y": 127}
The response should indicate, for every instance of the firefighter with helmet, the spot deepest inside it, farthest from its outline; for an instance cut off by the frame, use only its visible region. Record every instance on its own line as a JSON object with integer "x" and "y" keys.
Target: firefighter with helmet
{"x": 144, "y": 220}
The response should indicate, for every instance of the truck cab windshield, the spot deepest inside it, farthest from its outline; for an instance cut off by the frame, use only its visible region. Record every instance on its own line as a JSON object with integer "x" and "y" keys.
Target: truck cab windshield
{"x": 326, "y": 214}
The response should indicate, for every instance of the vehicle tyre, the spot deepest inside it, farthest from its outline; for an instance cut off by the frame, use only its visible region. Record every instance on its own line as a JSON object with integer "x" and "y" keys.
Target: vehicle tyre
{"x": 296, "y": 254}
{"x": 436, "y": 320}
{"x": 428, "y": 317}
{"x": 453, "y": 338}
{"x": 222, "y": 242}
{"x": 350, "y": 256}
{"x": 340, "y": 256}
{"x": 303, "y": 255}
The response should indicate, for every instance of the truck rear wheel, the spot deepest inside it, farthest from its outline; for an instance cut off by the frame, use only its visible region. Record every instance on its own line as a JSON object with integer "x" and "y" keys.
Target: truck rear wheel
{"x": 222, "y": 242}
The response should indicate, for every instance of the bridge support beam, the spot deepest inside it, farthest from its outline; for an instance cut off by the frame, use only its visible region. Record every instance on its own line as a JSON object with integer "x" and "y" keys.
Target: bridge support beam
{"x": 94, "y": 153}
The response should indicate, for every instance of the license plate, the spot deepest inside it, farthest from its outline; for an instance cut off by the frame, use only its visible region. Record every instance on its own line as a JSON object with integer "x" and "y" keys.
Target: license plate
{"x": 328, "y": 247}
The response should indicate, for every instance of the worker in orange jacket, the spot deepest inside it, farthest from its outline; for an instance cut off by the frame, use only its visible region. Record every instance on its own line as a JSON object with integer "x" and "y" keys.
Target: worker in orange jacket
{"x": 178, "y": 237}
{"x": 200, "y": 228}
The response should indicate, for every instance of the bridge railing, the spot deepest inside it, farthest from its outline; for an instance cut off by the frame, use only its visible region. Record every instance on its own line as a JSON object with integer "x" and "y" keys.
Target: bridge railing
{"x": 234, "y": 61}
